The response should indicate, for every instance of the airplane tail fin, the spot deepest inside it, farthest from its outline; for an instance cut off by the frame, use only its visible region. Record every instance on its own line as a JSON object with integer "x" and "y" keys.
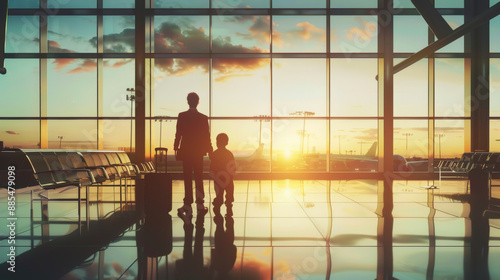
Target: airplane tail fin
{"x": 372, "y": 152}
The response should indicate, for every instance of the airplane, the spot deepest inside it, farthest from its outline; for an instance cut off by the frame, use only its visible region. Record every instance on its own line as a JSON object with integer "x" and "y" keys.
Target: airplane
{"x": 369, "y": 162}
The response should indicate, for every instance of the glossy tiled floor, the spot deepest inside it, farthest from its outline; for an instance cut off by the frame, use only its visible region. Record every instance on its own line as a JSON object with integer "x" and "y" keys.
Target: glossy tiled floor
{"x": 283, "y": 229}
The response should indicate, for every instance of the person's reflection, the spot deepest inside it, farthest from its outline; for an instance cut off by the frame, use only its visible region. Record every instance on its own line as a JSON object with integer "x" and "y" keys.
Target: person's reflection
{"x": 224, "y": 254}
{"x": 191, "y": 266}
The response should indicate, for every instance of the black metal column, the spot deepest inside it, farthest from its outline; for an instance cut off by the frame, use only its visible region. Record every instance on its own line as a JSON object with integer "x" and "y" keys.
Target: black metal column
{"x": 140, "y": 81}
{"x": 477, "y": 69}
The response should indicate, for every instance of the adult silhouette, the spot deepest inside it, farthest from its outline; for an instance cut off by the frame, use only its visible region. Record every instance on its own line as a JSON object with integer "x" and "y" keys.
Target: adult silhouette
{"x": 192, "y": 142}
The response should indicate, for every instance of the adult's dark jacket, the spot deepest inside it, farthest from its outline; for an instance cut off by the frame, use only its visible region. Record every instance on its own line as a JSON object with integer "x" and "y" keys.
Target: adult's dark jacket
{"x": 192, "y": 134}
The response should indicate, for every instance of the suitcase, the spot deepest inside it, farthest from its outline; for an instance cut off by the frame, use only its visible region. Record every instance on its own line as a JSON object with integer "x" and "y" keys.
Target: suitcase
{"x": 156, "y": 187}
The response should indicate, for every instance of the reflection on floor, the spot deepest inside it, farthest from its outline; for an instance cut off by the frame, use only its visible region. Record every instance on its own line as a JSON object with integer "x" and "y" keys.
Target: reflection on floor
{"x": 283, "y": 229}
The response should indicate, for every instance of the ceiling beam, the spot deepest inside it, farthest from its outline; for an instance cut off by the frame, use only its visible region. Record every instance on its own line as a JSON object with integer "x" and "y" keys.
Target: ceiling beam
{"x": 433, "y": 18}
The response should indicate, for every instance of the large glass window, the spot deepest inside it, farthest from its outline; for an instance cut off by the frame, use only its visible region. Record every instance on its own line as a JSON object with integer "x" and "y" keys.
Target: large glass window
{"x": 241, "y": 87}
{"x": 23, "y": 34}
{"x": 353, "y": 34}
{"x": 354, "y": 145}
{"x": 174, "y": 79}
{"x": 20, "y": 99}
{"x": 186, "y": 34}
{"x": 119, "y": 34}
{"x": 449, "y": 87}
{"x": 353, "y": 87}
{"x": 289, "y": 99}
{"x": 20, "y": 134}
{"x": 72, "y": 34}
{"x": 495, "y": 87}
{"x": 411, "y": 90}
{"x": 118, "y": 76}
{"x": 72, "y": 87}
{"x": 241, "y": 34}
{"x": 299, "y": 85}
{"x": 296, "y": 34}
{"x": 72, "y": 134}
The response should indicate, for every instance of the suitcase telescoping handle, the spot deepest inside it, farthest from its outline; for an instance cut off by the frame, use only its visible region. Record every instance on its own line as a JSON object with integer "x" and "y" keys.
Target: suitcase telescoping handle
{"x": 161, "y": 159}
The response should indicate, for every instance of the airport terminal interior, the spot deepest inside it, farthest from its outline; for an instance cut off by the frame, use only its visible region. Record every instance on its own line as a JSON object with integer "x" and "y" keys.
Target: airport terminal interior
{"x": 366, "y": 139}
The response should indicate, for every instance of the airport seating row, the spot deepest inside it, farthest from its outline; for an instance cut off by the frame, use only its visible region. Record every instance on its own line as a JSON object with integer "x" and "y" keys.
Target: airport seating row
{"x": 469, "y": 161}
{"x": 52, "y": 169}
{"x": 487, "y": 161}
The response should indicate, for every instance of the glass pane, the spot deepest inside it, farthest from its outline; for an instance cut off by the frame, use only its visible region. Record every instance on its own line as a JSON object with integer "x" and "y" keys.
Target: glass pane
{"x": 116, "y": 134}
{"x": 24, "y": 4}
{"x": 68, "y": 4}
{"x": 20, "y": 98}
{"x": 353, "y": 34}
{"x": 174, "y": 79}
{"x": 449, "y": 87}
{"x": 238, "y": 4}
{"x": 244, "y": 143}
{"x": 119, "y": 4}
{"x": 410, "y": 33}
{"x": 495, "y": 87}
{"x": 241, "y": 34}
{"x": 176, "y": 34}
{"x": 494, "y": 136}
{"x": 411, "y": 90}
{"x": 353, "y": 4}
{"x": 76, "y": 134}
{"x": 457, "y": 45}
{"x": 118, "y": 75}
{"x": 449, "y": 4}
{"x": 411, "y": 144}
{"x": 72, "y": 87}
{"x": 353, "y": 87}
{"x": 299, "y": 34}
{"x": 449, "y": 139}
{"x": 405, "y": 4}
{"x": 299, "y": 145}
{"x": 181, "y": 4}
{"x": 23, "y": 34}
{"x": 299, "y": 4}
{"x": 119, "y": 34}
{"x": 68, "y": 34}
{"x": 354, "y": 145}
{"x": 494, "y": 30}
{"x": 241, "y": 87}
{"x": 20, "y": 134}
{"x": 299, "y": 85}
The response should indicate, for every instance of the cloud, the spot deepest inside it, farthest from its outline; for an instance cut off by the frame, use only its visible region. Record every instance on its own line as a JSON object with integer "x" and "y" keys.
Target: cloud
{"x": 54, "y": 44}
{"x": 87, "y": 65}
{"x": 117, "y": 64}
{"x": 172, "y": 38}
{"x": 12, "y": 132}
{"x": 363, "y": 32}
{"x": 259, "y": 30}
{"x": 303, "y": 31}
{"x": 118, "y": 42}
{"x": 308, "y": 30}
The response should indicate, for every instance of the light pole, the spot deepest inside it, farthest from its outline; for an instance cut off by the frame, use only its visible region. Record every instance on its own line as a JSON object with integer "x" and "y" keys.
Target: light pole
{"x": 131, "y": 98}
{"x": 439, "y": 137}
{"x": 407, "y": 134}
{"x": 60, "y": 141}
{"x": 161, "y": 120}
{"x": 262, "y": 118}
{"x": 361, "y": 146}
{"x": 305, "y": 114}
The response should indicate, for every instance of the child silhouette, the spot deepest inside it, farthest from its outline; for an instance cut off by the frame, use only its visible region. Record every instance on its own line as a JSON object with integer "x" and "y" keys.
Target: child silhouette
{"x": 222, "y": 170}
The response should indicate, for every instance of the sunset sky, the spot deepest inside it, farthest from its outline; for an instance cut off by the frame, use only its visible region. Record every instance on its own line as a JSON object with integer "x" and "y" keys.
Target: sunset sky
{"x": 240, "y": 86}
